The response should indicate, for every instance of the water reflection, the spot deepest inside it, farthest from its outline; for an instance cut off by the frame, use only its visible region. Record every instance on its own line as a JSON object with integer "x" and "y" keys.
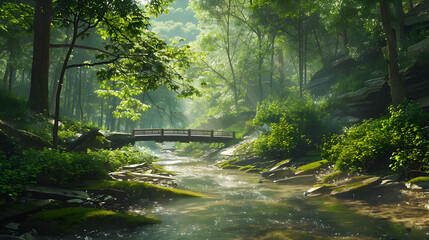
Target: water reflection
{"x": 239, "y": 207}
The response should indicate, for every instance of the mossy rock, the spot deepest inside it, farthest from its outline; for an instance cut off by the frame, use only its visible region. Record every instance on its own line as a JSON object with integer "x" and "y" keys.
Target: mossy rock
{"x": 419, "y": 179}
{"x": 78, "y": 220}
{"x": 279, "y": 164}
{"x": 228, "y": 166}
{"x": 422, "y": 182}
{"x": 312, "y": 167}
{"x": 221, "y": 164}
{"x": 245, "y": 168}
{"x": 143, "y": 190}
{"x": 335, "y": 176}
{"x": 254, "y": 170}
{"x": 360, "y": 186}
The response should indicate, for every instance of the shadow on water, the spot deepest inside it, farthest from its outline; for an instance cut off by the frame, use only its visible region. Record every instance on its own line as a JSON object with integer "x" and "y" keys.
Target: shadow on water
{"x": 238, "y": 207}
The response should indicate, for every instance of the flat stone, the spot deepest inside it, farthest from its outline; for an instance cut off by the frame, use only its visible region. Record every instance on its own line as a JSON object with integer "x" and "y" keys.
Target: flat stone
{"x": 54, "y": 193}
{"x": 318, "y": 190}
{"x": 12, "y": 226}
{"x": 356, "y": 188}
{"x": 135, "y": 167}
{"x": 10, "y": 237}
{"x": 278, "y": 173}
{"x": 302, "y": 179}
{"x": 75, "y": 201}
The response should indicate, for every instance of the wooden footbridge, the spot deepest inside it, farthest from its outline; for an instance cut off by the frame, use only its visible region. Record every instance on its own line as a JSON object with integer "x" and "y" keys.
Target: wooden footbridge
{"x": 182, "y": 135}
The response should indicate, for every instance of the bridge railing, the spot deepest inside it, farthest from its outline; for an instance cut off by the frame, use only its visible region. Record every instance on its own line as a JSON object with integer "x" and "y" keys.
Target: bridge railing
{"x": 182, "y": 132}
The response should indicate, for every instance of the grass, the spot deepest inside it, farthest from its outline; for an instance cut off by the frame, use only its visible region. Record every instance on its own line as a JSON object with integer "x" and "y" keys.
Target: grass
{"x": 78, "y": 220}
{"x": 144, "y": 190}
{"x": 313, "y": 166}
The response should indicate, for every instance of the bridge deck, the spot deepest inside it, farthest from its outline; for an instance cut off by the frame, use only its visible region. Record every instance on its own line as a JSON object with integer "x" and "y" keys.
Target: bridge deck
{"x": 182, "y": 135}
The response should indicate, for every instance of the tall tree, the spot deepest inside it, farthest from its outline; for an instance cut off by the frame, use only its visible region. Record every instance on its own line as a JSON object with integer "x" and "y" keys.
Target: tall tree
{"x": 135, "y": 59}
{"x": 39, "y": 93}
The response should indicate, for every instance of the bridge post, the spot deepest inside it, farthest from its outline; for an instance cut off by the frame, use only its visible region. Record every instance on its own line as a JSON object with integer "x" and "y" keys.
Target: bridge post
{"x": 132, "y": 132}
{"x": 211, "y": 133}
{"x": 162, "y": 131}
{"x": 189, "y": 132}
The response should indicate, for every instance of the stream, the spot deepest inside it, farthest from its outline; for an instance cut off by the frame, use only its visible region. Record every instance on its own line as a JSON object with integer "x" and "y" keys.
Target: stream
{"x": 237, "y": 206}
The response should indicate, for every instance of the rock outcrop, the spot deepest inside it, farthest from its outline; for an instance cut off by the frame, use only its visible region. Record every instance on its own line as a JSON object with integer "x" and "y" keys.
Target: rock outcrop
{"x": 25, "y": 139}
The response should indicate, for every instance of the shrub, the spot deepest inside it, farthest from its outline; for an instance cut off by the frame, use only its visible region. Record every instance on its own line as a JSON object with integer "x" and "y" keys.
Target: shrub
{"x": 56, "y": 168}
{"x": 296, "y": 126}
{"x": 395, "y": 141}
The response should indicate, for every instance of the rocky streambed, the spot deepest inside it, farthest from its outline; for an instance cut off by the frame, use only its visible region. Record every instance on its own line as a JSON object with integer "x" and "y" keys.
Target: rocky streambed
{"x": 47, "y": 210}
{"x": 383, "y": 197}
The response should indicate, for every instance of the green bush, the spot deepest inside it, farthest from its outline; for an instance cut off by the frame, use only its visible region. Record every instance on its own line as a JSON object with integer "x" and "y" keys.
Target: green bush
{"x": 396, "y": 141}
{"x": 296, "y": 126}
{"x": 56, "y": 168}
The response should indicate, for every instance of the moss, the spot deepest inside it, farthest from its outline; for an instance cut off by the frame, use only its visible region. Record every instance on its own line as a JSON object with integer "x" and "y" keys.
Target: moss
{"x": 12, "y": 210}
{"x": 246, "y": 168}
{"x": 77, "y": 220}
{"x": 356, "y": 185}
{"x": 324, "y": 185}
{"x": 144, "y": 190}
{"x": 282, "y": 162}
{"x": 221, "y": 164}
{"x": 254, "y": 170}
{"x": 228, "y": 166}
{"x": 313, "y": 166}
{"x": 419, "y": 179}
{"x": 333, "y": 176}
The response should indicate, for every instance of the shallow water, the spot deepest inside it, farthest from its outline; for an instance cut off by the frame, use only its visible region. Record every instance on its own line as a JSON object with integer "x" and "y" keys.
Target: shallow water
{"x": 237, "y": 206}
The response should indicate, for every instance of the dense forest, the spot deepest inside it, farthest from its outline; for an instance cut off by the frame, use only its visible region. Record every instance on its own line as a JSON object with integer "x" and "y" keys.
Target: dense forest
{"x": 345, "y": 81}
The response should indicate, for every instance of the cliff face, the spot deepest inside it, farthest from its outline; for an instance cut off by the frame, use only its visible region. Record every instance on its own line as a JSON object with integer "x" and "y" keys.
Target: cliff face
{"x": 373, "y": 98}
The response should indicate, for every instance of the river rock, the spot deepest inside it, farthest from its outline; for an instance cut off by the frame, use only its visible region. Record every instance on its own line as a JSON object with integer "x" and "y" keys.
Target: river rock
{"x": 62, "y": 194}
{"x": 302, "y": 179}
{"x": 10, "y": 237}
{"x": 93, "y": 140}
{"x": 135, "y": 167}
{"x": 353, "y": 189}
{"x": 317, "y": 190}
{"x": 118, "y": 140}
{"x": 278, "y": 173}
{"x": 25, "y": 139}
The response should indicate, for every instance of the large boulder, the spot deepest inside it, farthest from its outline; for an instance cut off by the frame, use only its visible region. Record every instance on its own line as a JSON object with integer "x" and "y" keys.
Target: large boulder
{"x": 25, "y": 139}
{"x": 322, "y": 80}
{"x": 93, "y": 140}
{"x": 118, "y": 140}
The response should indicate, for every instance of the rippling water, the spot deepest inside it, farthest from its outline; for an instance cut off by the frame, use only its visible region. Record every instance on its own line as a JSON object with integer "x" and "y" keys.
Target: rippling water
{"x": 239, "y": 207}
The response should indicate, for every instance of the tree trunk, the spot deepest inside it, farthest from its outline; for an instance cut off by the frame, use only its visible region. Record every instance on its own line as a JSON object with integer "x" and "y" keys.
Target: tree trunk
{"x": 399, "y": 24}
{"x": 345, "y": 41}
{"x": 411, "y": 5}
{"x": 39, "y": 92}
{"x": 12, "y": 74}
{"x": 396, "y": 85}
{"x": 319, "y": 46}
{"x": 281, "y": 67}
{"x": 300, "y": 55}
{"x": 100, "y": 124}
{"x": 6, "y": 75}
{"x": 60, "y": 85}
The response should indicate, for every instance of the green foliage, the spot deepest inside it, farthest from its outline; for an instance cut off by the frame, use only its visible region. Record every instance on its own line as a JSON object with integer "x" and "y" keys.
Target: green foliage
{"x": 296, "y": 123}
{"x": 53, "y": 167}
{"x": 396, "y": 141}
